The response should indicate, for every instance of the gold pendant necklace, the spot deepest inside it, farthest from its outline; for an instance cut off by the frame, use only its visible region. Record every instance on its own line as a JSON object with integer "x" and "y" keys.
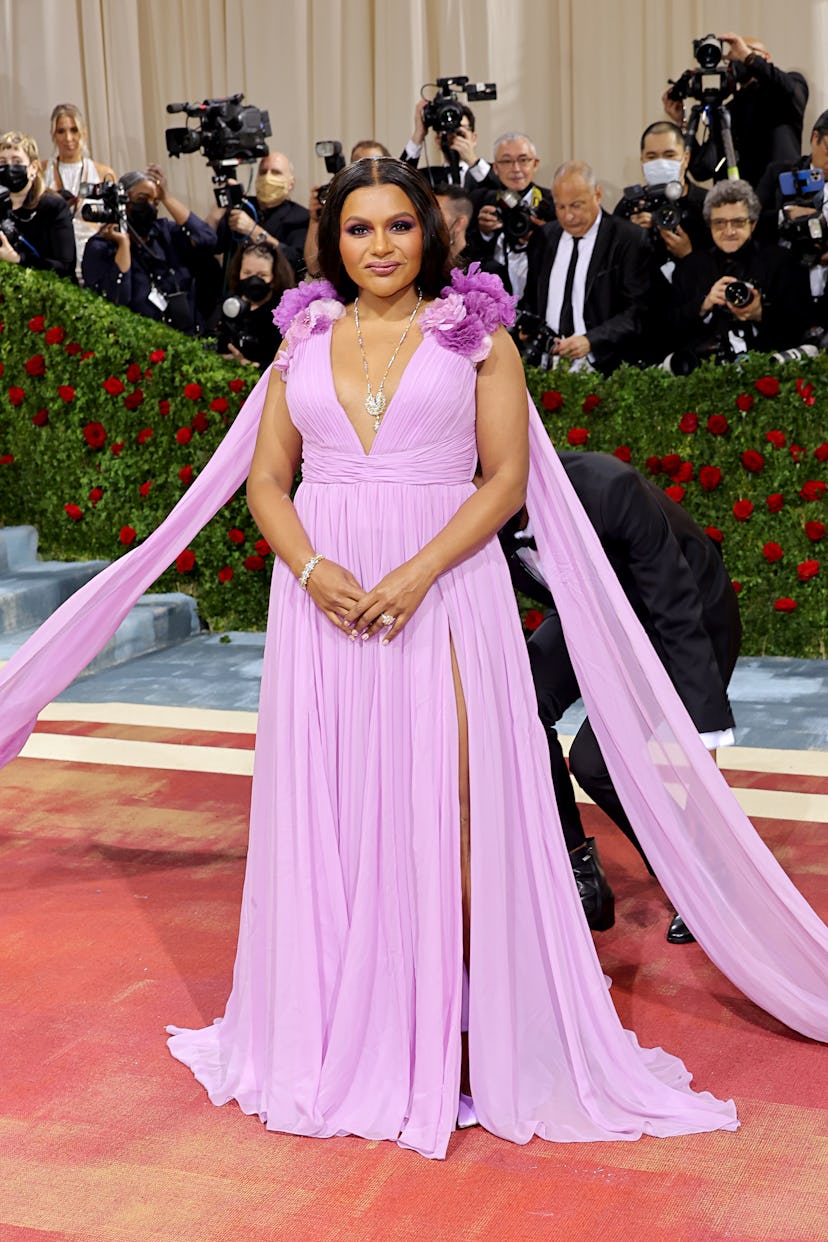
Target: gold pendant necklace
{"x": 376, "y": 402}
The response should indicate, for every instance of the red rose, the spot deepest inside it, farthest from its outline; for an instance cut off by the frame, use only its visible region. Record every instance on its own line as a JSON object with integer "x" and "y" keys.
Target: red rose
{"x": 72, "y": 348}
{"x": 117, "y": 447}
{"x": 54, "y": 336}
{"x": 95, "y": 435}
{"x": 185, "y": 561}
{"x": 688, "y": 423}
{"x": 806, "y": 570}
{"x": 710, "y": 477}
{"x": 814, "y": 489}
{"x": 676, "y": 492}
{"x": 38, "y": 324}
{"x": 797, "y": 452}
{"x": 95, "y": 495}
{"x": 6, "y": 459}
{"x": 73, "y": 512}
{"x": 185, "y": 474}
{"x": 775, "y": 502}
{"x": 806, "y": 391}
{"x": 772, "y": 552}
{"x": 744, "y": 402}
{"x": 577, "y": 435}
{"x": 623, "y": 452}
{"x": 777, "y": 438}
{"x": 262, "y": 547}
{"x": 653, "y": 465}
{"x": 133, "y": 373}
{"x": 235, "y": 535}
{"x": 41, "y": 418}
{"x": 158, "y": 355}
{"x": 254, "y": 563}
{"x": 66, "y": 393}
{"x": 184, "y": 435}
{"x": 737, "y": 586}
{"x": 87, "y": 353}
{"x": 127, "y": 535}
{"x": 815, "y": 531}
{"x": 742, "y": 510}
{"x": 236, "y": 385}
{"x": 225, "y": 574}
{"x": 144, "y": 489}
{"x": 16, "y": 395}
{"x": 220, "y": 405}
{"x": 144, "y": 435}
{"x": 201, "y": 422}
{"x": 36, "y": 365}
{"x": 753, "y": 461}
{"x": 532, "y": 619}
{"x": 134, "y": 399}
{"x": 2, "y": 368}
{"x": 591, "y": 402}
{"x": 768, "y": 386}
{"x": 717, "y": 424}
{"x": 550, "y": 400}
{"x": 785, "y": 605}
{"x": 821, "y": 452}
{"x": 163, "y": 407}
{"x": 113, "y": 386}
{"x": 714, "y": 533}
{"x": 684, "y": 473}
{"x": 192, "y": 391}
{"x": 670, "y": 463}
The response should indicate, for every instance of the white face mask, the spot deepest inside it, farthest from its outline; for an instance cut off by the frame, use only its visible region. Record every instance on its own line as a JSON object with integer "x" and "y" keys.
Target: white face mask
{"x": 658, "y": 172}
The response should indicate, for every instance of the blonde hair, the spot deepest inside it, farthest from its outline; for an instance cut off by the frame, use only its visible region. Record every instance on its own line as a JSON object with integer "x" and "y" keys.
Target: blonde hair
{"x": 73, "y": 111}
{"x": 28, "y": 146}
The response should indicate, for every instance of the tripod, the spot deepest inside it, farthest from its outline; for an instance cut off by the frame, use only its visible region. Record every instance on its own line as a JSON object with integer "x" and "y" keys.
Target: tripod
{"x": 717, "y": 117}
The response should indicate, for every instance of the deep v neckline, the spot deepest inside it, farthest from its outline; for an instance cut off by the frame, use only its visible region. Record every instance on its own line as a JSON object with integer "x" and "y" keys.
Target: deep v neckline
{"x": 391, "y": 402}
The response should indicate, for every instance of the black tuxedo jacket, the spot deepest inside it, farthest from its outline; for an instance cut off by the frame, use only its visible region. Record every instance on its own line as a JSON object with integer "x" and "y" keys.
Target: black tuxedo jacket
{"x": 671, "y": 572}
{"x": 618, "y": 286}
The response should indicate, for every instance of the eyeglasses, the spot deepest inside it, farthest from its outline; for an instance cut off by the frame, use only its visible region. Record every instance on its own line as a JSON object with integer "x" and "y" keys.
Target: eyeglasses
{"x": 738, "y": 222}
{"x": 522, "y": 161}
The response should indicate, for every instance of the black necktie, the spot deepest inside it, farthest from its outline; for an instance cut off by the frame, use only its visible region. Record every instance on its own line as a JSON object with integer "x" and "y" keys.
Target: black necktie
{"x": 567, "y": 323}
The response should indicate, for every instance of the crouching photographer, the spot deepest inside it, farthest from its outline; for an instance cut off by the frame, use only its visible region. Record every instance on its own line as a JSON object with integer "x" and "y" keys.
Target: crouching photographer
{"x": 141, "y": 261}
{"x": 735, "y": 296}
{"x": 257, "y": 277}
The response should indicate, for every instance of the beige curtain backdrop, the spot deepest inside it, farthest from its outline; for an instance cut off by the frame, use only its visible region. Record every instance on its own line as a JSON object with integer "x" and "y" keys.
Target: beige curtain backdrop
{"x": 582, "y": 77}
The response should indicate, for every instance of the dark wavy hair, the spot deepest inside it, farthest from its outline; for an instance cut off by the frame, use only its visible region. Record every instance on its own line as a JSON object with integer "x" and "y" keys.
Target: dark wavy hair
{"x": 435, "y": 269}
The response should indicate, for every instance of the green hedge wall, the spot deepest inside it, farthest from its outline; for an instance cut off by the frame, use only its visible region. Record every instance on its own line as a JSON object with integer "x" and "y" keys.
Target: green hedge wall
{"x": 106, "y": 417}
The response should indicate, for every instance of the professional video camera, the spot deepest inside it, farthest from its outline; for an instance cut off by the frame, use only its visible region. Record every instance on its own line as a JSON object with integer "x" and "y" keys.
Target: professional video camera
{"x": 444, "y": 112}
{"x": 712, "y": 82}
{"x": 662, "y": 201}
{"x": 804, "y": 229}
{"x": 229, "y": 133}
{"x": 710, "y": 85}
{"x": 331, "y": 152}
{"x": 534, "y": 338}
{"x": 106, "y": 203}
{"x": 8, "y": 225}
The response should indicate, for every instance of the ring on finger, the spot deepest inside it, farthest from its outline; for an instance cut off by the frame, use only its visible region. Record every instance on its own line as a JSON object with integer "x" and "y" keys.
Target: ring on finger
{"x": 385, "y": 618}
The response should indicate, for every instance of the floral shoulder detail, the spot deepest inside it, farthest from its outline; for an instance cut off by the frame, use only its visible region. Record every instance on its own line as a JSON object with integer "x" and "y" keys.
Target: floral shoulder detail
{"x": 471, "y": 308}
{"x": 309, "y": 308}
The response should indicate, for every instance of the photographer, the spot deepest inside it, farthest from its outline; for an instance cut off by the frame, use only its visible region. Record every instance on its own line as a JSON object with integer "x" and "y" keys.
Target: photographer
{"x": 71, "y": 169}
{"x": 149, "y": 265}
{"x": 257, "y": 277}
{"x": 35, "y": 226}
{"x": 664, "y": 160}
{"x": 510, "y": 210}
{"x": 734, "y": 295}
{"x": 269, "y": 215}
{"x": 766, "y": 111}
{"x": 365, "y": 149}
{"x": 472, "y": 169}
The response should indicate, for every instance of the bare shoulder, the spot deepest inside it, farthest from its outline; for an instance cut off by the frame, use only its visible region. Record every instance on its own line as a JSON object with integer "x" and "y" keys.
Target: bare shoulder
{"x": 105, "y": 172}
{"x": 503, "y": 358}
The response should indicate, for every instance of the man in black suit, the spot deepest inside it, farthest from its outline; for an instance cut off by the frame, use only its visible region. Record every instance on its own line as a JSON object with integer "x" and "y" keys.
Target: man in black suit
{"x": 673, "y": 575}
{"x": 269, "y": 216}
{"x": 593, "y": 275}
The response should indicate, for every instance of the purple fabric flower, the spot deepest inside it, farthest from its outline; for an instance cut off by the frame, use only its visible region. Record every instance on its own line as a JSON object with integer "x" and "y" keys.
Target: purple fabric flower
{"x": 484, "y": 296}
{"x": 294, "y": 301}
{"x": 471, "y": 308}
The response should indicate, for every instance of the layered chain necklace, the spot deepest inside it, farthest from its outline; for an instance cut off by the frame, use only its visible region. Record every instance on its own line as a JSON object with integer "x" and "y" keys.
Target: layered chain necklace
{"x": 376, "y": 402}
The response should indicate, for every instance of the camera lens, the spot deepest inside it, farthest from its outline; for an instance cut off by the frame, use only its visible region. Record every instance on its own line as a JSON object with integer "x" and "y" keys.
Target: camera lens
{"x": 738, "y": 293}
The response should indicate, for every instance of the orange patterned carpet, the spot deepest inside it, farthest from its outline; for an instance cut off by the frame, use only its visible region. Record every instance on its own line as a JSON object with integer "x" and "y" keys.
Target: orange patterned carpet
{"x": 120, "y": 895}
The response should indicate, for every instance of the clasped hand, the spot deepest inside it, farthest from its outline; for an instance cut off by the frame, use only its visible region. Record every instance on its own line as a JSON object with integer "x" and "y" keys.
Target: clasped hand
{"x": 357, "y": 612}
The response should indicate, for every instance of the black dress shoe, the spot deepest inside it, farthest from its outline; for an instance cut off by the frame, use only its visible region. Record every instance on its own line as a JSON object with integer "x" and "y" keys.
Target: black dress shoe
{"x": 679, "y": 933}
{"x": 595, "y": 893}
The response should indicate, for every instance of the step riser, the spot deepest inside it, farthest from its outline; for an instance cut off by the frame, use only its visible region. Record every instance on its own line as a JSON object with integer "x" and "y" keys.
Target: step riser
{"x": 29, "y": 596}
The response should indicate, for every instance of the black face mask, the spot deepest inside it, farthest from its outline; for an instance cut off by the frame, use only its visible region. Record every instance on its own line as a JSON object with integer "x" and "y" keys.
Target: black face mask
{"x": 254, "y": 288}
{"x": 14, "y": 176}
{"x": 142, "y": 217}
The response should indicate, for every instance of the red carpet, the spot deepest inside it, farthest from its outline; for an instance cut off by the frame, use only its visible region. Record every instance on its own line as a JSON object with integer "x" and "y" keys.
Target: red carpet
{"x": 120, "y": 897}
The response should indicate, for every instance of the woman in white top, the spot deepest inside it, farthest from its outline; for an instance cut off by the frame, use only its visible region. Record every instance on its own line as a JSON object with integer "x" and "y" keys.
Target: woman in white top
{"x": 71, "y": 167}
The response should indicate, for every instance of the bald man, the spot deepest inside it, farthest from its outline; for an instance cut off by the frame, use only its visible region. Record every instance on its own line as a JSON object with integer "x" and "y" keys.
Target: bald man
{"x": 270, "y": 215}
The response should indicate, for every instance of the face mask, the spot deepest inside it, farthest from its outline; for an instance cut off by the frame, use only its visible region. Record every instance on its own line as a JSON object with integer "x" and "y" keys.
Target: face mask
{"x": 272, "y": 188}
{"x": 659, "y": 172}
{"x": 14, "y": 176}
{"x": 254, "y": 288}
{"x": 142, "y": 217}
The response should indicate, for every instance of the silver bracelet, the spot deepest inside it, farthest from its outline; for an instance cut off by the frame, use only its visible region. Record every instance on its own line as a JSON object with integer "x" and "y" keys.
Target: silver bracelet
{"x": 308, "y": 570}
